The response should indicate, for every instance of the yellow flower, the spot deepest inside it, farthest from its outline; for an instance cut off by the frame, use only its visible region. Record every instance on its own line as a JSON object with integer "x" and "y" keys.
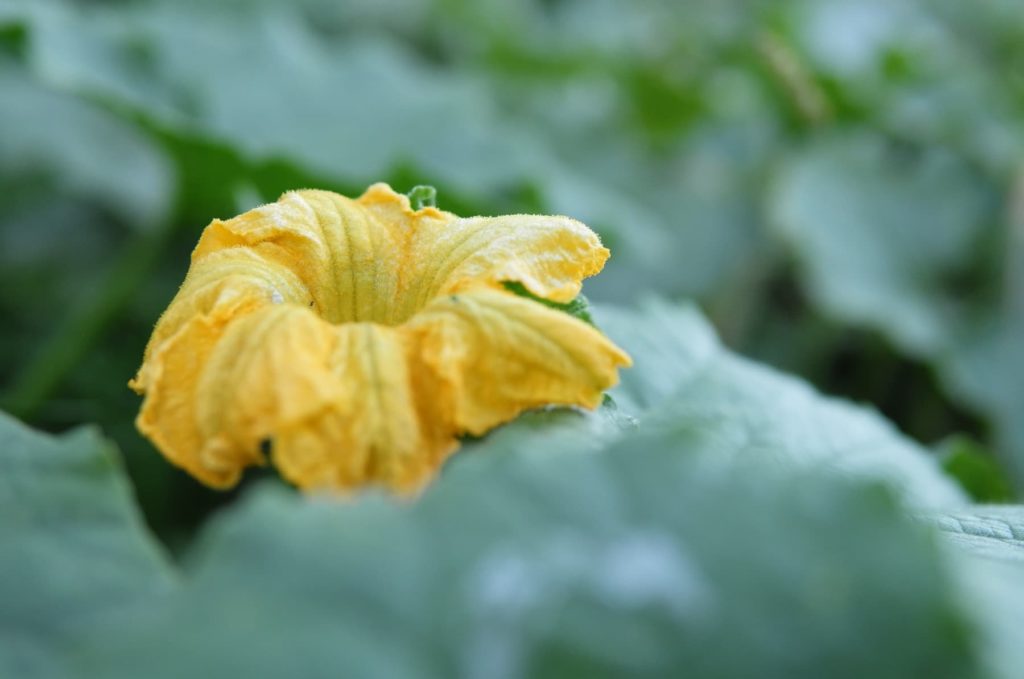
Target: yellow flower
{"x": 361, "y": 338}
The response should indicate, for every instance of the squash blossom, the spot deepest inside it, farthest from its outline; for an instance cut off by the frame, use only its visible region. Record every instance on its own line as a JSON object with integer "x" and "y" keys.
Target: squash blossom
{"x": 362, "y": 337}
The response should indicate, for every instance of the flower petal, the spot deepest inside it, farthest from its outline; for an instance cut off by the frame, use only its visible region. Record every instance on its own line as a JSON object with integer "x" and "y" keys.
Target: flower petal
{"x": 168, "y": 415}
{"x": 345, "y": 254}
{"x": 268, "y": 371}
{"x": 496, "y": 355}
{"x": 219, "y": 289}
{"x": 226, "y": 284}
{"x": 550, "y": 256}
{"x": 338, "y": 403}
{"x": 373, "y": 431}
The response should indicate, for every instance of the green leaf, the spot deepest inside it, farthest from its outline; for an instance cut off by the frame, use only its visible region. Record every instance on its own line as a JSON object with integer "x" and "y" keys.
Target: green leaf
{"x": 78, "y": 149}
{"x": 555, "y": 428}
{"x": 75, "y": 550}
{"x": 912, "y": 68}
{"x": 993, "y": 590}
{"x": 991, "y": 531}
{"x": 369, "y": 106}
{"x": 989, "y": 543}
{"x": 976, "y": 469}
{"x": 373, "y": 109}
{"x": 635, "y": 562}
{"x": 882, "y": 232}
{"x": 686, "y": 383}
{"x": 986, "y": 370}
{"x": 579, "y": 307}
{"x": 669, "y": 343}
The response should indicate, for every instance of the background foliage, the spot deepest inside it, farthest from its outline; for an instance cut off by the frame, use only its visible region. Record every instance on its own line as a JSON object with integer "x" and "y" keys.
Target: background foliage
{"x": 837, "y": 185}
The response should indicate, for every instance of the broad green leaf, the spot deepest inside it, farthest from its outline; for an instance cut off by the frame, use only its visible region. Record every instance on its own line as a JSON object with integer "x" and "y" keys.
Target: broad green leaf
{"x": 368, "y": 107}
{"x": 975, "y": 467}
{"x": 991, "y": 531}
{"x": 75, "y": 551}
{"x": 986, "y": 370}
{"x": 684, "y": 382}
{"x": 670, "y": 345}
{"x": 77, "y": 149}
{"x": 880, "y": 232}
{"x": 993, "y": 592}
{"x": 548, "y": 563}
{"x": 917, "y": 69}
{"x": 371, "y": 110}
{"x": 556, "y": 429}
{"x": 988, "y": 541}
{"x": 681, "y": 222}
{"x": 72, "y": 177}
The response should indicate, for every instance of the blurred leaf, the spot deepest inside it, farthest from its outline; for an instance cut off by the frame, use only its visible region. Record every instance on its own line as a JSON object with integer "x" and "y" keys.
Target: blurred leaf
{"x": 75, "y": 550}
{"x": 356, "y": 108}
{"x": 989, "y": 541}
{"x": 559, "y": 563}
{"x": 684, "y": 382}
{"x": 683, "y": 220}
{"x": 72, "y": 176}
{"x": 986, "y": 370}
{"x": 80, "y": 150}
{"x": 564, "y": 561}
{"x": 669, "y": 343}
{"x": 991, "y": 531}
{"x": 974, "y": 467}
{"x": 554, "y": 429}
{"x": 932, "y": 71}
{"x": 367, "y": 106}
{"x": 882, "y": 234}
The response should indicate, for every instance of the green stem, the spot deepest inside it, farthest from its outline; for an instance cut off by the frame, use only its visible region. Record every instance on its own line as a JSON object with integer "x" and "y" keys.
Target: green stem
{"x": 795, "y": 78}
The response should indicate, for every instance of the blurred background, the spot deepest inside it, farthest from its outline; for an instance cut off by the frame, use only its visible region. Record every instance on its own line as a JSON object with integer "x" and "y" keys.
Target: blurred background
{"x": 838, "y": 183}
